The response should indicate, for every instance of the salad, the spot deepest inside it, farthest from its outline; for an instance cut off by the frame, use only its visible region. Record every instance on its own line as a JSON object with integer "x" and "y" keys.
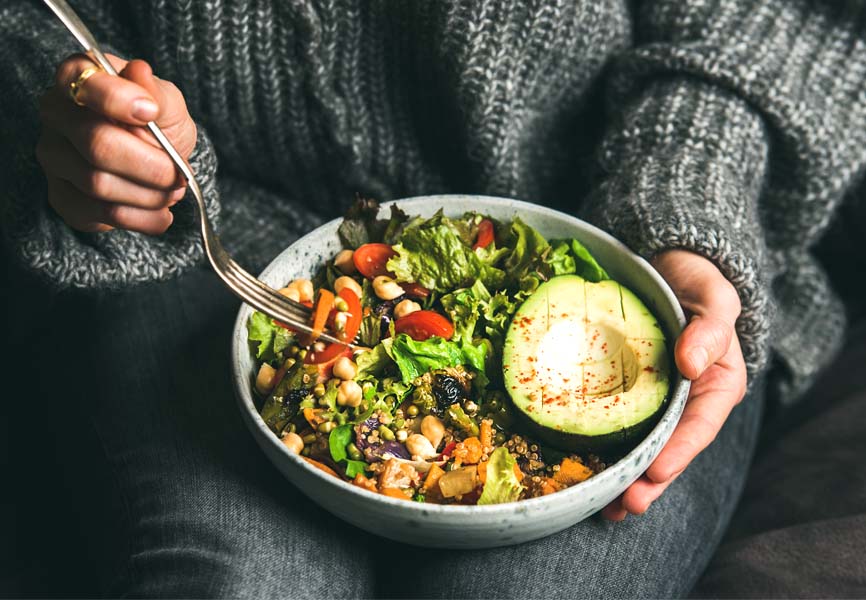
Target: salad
{"x": 482, "y": 355}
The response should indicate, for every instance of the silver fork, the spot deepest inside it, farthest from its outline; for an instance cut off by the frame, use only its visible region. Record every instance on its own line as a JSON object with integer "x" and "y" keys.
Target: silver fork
{"x": 252, "y": 291}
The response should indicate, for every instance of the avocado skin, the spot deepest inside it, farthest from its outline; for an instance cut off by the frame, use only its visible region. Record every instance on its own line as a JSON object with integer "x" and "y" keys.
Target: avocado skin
{"x": 615, "y": 443}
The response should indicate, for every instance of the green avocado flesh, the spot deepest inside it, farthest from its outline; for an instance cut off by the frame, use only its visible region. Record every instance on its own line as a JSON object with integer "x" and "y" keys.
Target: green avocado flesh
{"x": 586, "y": 364}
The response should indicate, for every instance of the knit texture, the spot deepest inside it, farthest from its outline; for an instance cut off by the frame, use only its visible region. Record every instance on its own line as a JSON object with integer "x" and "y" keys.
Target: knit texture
{"x": 729, "y": 128}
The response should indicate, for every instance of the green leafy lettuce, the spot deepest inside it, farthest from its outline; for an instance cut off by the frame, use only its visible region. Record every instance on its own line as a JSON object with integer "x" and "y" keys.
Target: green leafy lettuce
{"x": 469, "y": 306}
{"x": 414, "y": 358}
{"x": 527, "y": 247}
{"x": 571, "y": 257}
{"x": 436, "y": 254}
{"x": 338, "y": 439}
{"x": 269, "y": 338}
{"x": 502, "y": 484}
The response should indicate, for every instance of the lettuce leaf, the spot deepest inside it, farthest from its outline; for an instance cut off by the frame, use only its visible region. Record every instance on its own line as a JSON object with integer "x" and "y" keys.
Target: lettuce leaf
{"x": 416, "y": 358}
{"x": 586, "y": 265}
{"x": 362, "y": 226}
{"x": 502, "y": 484}
{"x": 269, "y": 338}
{"x": 571, "y": 257}
{"x": 527, "y": 247}
{"x": 435, "y": 254}
{"x": 464, "y": 308}
{"x": 373, "y": 362}
{"x": 338, "y": 439}
{"x": 560, "y": 260}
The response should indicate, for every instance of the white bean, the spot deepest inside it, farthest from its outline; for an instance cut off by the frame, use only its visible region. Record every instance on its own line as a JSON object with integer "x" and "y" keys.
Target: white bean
{"x": 386, "y": 288}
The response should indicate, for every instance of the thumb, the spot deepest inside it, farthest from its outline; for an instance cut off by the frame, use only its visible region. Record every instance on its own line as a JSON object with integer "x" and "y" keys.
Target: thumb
{"x": 704, "y": 341}
{"x": 713, "y": 304}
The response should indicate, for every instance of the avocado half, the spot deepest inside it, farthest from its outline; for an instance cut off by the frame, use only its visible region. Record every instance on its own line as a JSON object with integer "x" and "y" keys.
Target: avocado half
{"x": 586, "y": 365}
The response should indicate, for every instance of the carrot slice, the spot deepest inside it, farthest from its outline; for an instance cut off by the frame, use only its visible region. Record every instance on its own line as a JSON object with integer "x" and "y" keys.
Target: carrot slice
{"x": 320, "y": 314}
{"x": 394, "y": 493}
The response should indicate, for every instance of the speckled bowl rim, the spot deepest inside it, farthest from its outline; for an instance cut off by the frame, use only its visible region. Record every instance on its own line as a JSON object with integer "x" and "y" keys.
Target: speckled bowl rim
{"x": 676, "y": 399}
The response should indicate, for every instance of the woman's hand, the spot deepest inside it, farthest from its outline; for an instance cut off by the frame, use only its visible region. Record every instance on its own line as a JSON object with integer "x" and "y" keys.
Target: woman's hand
{"x": 708, "y": 352}
{"x": 104, "y": 169}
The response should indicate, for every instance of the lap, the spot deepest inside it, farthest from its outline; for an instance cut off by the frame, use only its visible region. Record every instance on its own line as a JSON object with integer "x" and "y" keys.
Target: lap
{"x": 200, "y": 512}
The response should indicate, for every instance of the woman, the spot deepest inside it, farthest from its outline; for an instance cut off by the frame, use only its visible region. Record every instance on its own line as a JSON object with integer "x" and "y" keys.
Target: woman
{"x": 723, "y": 142}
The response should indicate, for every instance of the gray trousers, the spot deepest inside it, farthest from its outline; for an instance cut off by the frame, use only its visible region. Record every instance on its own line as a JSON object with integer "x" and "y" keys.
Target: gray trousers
{"x": 187, "y": 506}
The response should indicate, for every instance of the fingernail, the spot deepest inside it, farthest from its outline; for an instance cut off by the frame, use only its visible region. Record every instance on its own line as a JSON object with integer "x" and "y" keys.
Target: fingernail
{"x": 699, "y": 357}
{"x": 179, "y": 193}
{"x": 144, "y": 109}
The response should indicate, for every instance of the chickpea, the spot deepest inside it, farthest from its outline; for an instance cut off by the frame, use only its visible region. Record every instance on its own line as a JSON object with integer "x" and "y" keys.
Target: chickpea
{"x": 291, "y": 293}
{"x": 347, "y": 282}
{"x": 420, "y": 446}
{"x": 340, "y": 320}
{"x": 386, "y": 288}
{"x": 402, "y": 434}
{"x": 433, "y": 429}
{"x": 304, "y": 288}
{"x": 265, "y": 378}
{"x": 293, "y": 442}
{"x": 345, "y": 368}
{"x": 340, "y": 304}
{"x": 405, "y": 307}
{"x": 345, "y": 261}
{"x": 349, "y": 394}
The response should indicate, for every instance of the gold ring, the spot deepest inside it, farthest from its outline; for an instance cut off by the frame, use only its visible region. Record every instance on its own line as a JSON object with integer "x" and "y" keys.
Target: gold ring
{"x": 75, "y": 86}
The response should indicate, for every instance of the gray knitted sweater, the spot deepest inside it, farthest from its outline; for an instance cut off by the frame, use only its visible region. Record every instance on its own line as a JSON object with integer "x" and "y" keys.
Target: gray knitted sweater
{"x": 730, "y": 128}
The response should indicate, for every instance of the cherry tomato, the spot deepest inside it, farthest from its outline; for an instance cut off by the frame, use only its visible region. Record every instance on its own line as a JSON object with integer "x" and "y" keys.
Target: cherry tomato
{"x": 355, "y": 313}
{"x": 485, "y": 234}
{"x": 370, "y": 259}
{"x": 423, "y": 324}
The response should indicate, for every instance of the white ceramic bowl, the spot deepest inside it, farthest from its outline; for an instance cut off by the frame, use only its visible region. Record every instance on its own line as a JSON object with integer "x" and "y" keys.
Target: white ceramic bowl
{"x": 433, "y": 525}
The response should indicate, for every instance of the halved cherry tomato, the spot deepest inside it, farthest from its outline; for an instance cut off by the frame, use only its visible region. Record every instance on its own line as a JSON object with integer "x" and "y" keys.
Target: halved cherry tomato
{"x": 485, "y": 234}
{"x": 355, "y": 314}
{"x": 423, "y": 324}
{"x": 371, "y": 259}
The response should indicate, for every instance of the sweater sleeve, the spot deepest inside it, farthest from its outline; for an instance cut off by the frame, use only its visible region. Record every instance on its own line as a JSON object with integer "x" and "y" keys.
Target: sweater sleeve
{"x": 738, "y": 126}
{"x": 32, "y": 44}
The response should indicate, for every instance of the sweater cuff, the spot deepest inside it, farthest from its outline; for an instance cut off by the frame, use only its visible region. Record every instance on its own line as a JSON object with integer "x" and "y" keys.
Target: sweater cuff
{"x": 116, "y": 258}
{"x": 684, "y": 169}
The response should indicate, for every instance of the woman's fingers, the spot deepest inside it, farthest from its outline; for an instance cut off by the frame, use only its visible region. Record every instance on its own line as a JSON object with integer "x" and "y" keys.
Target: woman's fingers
{"x": 59, "y": 159}
{"x": 84, "y": 213}
{"x": 614, "y": 511}
{"x": 713, "y": 396}
{"x": 110, "y": 147}
{"x": 707, "y": 352}
{"x": 113, "y": 97}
